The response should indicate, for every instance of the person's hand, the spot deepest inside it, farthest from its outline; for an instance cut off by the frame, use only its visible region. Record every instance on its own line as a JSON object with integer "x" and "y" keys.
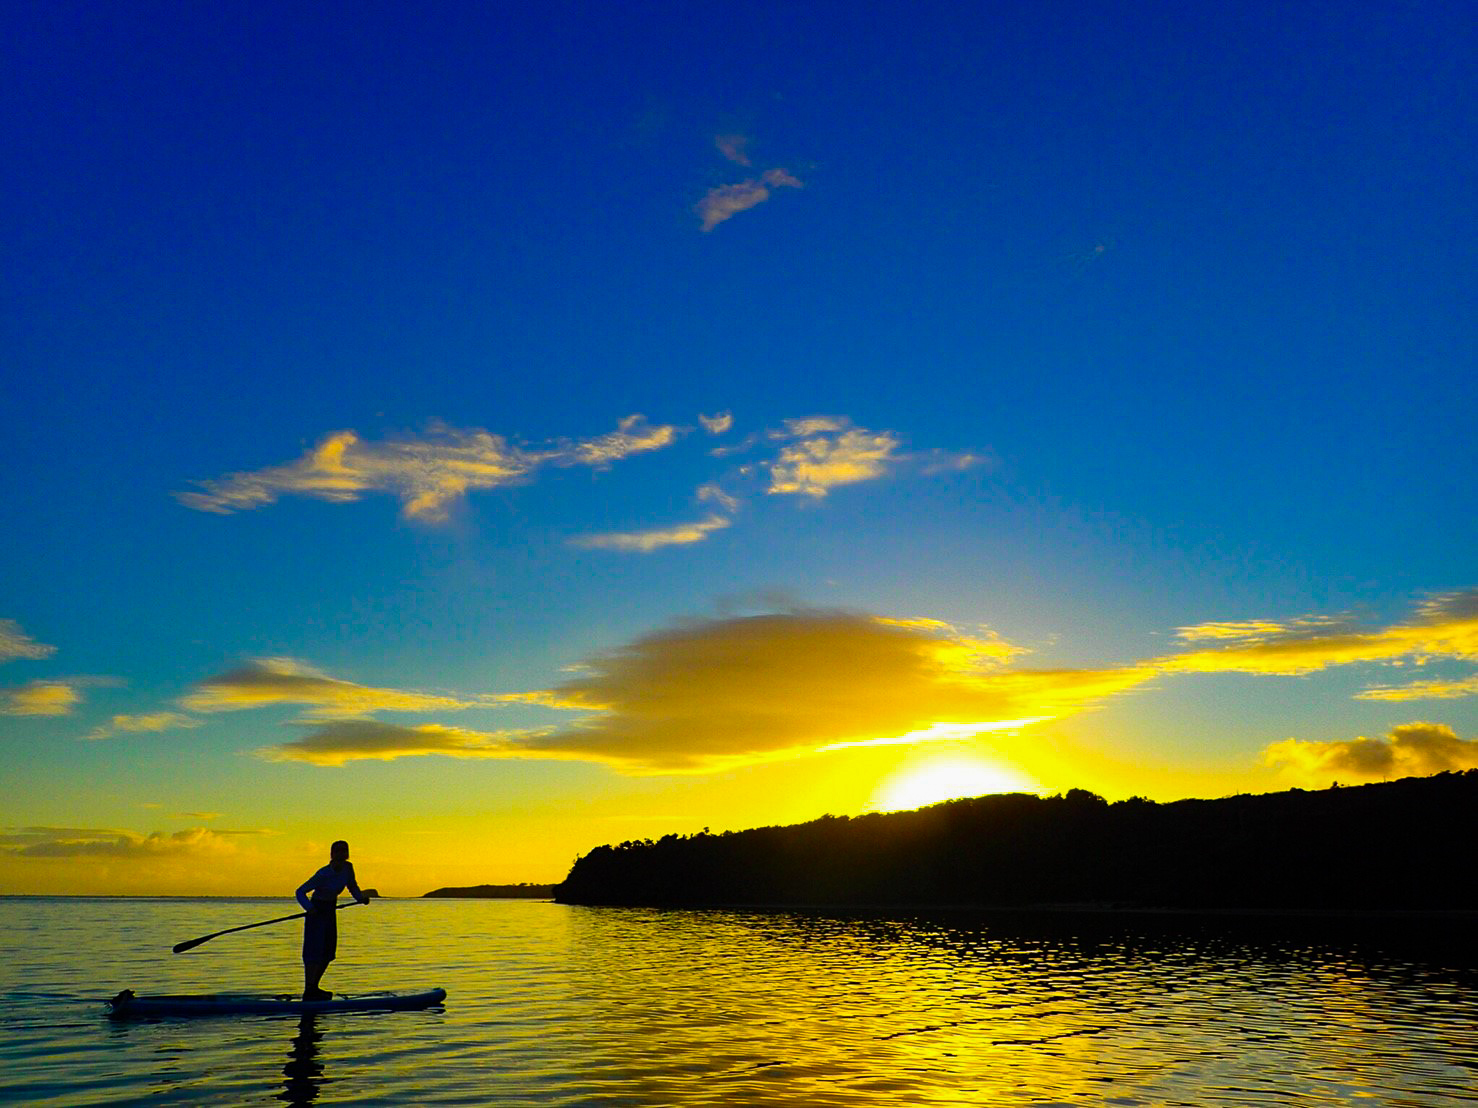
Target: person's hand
{"x": 364, "y": 900}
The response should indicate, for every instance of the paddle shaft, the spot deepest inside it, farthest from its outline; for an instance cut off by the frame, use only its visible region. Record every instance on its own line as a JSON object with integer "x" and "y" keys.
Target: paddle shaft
{"x": 191, "y": 944}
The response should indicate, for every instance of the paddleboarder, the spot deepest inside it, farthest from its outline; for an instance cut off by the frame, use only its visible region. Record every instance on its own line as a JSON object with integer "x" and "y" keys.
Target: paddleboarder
{"x": 318, "y": 896}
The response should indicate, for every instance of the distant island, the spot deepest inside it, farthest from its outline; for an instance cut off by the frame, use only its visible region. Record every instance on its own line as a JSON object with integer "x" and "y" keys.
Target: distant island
{"x": 1399, "y": 845}
{"x": 494, "y": 892}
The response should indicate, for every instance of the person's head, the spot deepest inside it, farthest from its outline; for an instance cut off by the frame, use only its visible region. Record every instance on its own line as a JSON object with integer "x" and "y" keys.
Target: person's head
{"x": 339, "y": 851}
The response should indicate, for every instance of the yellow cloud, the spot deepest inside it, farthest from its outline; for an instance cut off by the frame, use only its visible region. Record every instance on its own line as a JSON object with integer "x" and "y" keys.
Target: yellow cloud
{"x": 1444, "y": 626}
{"x": 710, "y": 694}
{"x": 814, "y": 466}
{"x": 707, "y": 694}
{"x": 40, "y": 698}
{"x": 1422, "y": 690}
{"x": 153, "y": 721}
{"x": 15, "y": 643}
{"x": 79, "y": 842}
{"x": 726, "y": 201}
{"x": 269, "y": 681}
{"x": 348, "y": 740}
{"x": 1247, "y": 629}
{"x": 647, "y": 541}
{"x": 429, "y": 473}
{"x": 1410, "y": 750}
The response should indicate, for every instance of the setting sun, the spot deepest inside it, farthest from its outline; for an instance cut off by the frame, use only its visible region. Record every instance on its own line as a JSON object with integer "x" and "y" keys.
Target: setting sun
{"x": 922, "y": 783}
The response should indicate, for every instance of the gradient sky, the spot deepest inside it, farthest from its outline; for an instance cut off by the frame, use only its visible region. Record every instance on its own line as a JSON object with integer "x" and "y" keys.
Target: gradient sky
{"x": 483, "y": 432}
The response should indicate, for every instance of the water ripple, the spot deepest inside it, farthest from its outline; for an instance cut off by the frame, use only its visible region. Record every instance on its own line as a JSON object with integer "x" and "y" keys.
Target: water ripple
{"x": 552, "y": 1005}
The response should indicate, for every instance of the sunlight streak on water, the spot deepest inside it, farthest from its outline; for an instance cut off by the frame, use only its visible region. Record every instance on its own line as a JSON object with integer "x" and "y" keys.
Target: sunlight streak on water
{"x": 555, "y": 1005}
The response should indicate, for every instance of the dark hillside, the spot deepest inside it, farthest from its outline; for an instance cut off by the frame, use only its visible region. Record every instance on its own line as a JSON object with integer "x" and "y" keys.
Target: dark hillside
{"x": 1404, "y": 844}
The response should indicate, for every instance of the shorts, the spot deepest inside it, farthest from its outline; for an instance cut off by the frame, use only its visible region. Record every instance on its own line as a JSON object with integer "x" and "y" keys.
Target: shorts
{"x": 320, "y": 934}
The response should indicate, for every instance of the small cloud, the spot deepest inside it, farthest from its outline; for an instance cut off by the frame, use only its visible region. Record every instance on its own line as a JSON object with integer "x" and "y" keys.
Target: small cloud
{"x": 272, "y": 681}
{"x": 714, "y": 493}
{"x": 1410, "y": 750}
{"x": 343, "y": 741}
{"x": 84, "y": 842}
{"x": 40, "y": 698}
{"x": 938, "y": 462}
{"x": 1423, "y": 690}
{"x": 429, "y": 473}
{"x": 1444, "y": 626}
{"x": 151, "y": 722}
{"x": 733, "y": 147}
{"x": 717, "y": 424}
{"x": 814, "y": 466}
{"x": 647, "y": 541}
{"x": 15, "y": 643}
{"x": 634, "y": 435}
{"x": 726, "y": 201}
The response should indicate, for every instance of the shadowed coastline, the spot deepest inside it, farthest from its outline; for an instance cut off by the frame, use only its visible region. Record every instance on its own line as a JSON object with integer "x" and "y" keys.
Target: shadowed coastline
{"x": 1396, "y": 846}
{"x": 493, "y": 892}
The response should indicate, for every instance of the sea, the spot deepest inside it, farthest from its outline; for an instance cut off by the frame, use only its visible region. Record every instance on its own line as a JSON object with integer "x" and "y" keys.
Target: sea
{"x": 555, "y": 1005}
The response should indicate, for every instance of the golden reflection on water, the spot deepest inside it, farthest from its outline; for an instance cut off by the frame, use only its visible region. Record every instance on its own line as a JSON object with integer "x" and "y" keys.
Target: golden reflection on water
{"x": 552, "y": 1005}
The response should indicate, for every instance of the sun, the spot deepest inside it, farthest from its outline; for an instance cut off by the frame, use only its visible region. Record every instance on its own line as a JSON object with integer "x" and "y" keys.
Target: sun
{"x": 923, "y": 783}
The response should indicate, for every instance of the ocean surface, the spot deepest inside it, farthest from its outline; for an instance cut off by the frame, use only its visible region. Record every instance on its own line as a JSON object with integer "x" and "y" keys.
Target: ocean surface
{"x": 555, "y": 1005}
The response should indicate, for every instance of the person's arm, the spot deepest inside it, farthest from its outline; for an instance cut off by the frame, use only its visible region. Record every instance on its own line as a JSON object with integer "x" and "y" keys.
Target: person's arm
{"x": 302, "y": 893}
{"x": 353, "y": 886}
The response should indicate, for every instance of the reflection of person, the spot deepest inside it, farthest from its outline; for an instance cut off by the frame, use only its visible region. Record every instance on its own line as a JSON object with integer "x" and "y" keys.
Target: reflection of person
{"x": 319, "y": 896}
{"x": 303, "y": 1071}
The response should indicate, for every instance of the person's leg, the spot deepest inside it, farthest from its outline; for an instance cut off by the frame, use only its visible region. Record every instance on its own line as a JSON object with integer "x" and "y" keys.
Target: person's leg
{"x": 312, "y": 975}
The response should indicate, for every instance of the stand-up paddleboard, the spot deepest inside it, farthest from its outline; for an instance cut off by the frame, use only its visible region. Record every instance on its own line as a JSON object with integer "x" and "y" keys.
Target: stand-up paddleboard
{"x": 236, "y": 1004}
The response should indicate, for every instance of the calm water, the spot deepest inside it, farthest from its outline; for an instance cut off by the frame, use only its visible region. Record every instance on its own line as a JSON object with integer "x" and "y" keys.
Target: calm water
{"x": 552, "y": 1005}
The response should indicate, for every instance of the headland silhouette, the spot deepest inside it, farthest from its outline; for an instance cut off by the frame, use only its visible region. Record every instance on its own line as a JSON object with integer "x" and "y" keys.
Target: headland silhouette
{"x": 1396, "y": 846}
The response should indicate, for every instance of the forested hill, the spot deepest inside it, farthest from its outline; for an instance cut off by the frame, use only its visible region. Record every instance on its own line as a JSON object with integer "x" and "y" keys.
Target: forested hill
{"x": 1404, "y": 844}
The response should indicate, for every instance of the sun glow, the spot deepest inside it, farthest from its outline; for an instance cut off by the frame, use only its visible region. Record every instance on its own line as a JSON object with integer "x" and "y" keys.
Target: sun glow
{"x": 923, "y": 783}
{"x": 942, "y": 732}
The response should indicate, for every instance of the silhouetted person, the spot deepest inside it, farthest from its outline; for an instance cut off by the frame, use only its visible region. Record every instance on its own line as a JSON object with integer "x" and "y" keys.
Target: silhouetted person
{"x": 319, "y": 897}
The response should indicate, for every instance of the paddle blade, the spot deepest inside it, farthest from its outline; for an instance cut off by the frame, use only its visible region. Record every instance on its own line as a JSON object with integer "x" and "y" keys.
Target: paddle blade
{"x": 190, "y": 944}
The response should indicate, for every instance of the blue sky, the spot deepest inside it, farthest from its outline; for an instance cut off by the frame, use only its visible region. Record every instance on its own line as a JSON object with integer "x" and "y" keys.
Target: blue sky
{"x": 1125, "y": 319}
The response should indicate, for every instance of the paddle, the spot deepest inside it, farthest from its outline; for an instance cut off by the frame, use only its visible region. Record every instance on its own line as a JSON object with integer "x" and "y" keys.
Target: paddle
{"x": 191, "y": 944}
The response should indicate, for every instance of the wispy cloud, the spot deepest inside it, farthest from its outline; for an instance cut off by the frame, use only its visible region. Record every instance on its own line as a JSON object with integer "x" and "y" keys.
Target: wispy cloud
{"x": 349, "y": 740}
{"x": 272, "y": 681}
{"x": 429, "y": 473}
{"x": 733, "y": 147}
{"x": 140, "y": 724}
{"x": 717, "y": 424}
{"x": 713, "y": 493}
{"x": 646, "y": 541}
{"x": 1410, "y": 750}
{"x": 710, "y": 694}
{"x": 15, "y": 643}
{"x": 723, "y": 202}
{"x": 82, "y": 842}
{"x": 1444, "y": 626}
{"x": 41, "y": 698}
{"x": 1423, "y": 690}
